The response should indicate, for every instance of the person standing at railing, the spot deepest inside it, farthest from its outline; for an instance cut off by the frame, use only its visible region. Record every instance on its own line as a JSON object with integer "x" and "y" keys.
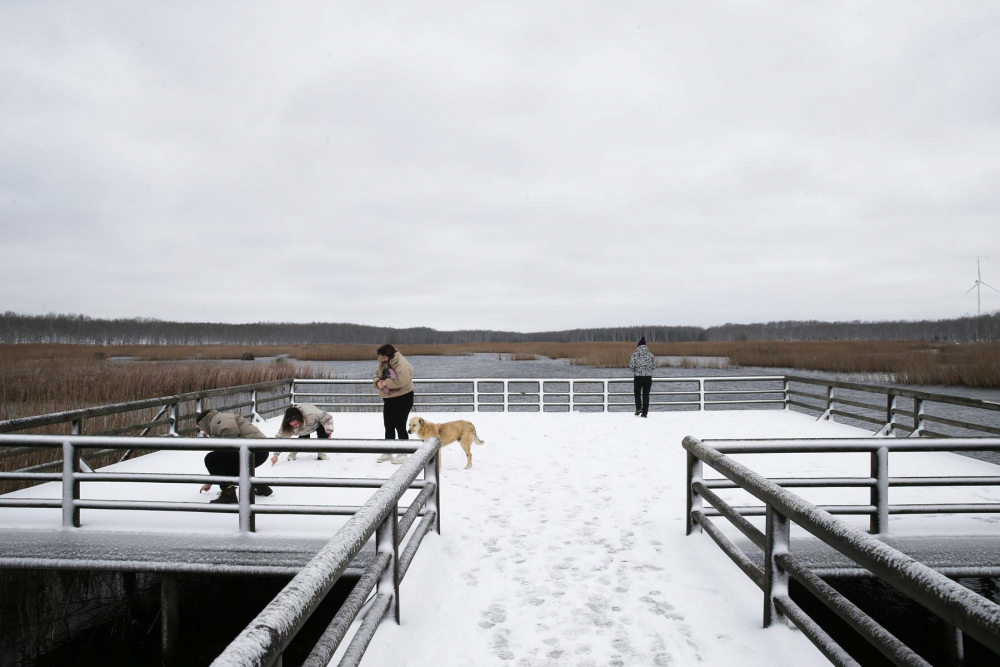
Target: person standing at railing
{"x": 642, "y": 362}
{"x": 226, "y": 463}
{"x": 302, "y": 420}
{"x": 394, "y": 382}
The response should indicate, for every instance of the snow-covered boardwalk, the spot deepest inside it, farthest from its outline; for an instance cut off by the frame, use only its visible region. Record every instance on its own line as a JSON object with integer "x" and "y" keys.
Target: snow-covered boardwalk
{"x": 563, "y": 545}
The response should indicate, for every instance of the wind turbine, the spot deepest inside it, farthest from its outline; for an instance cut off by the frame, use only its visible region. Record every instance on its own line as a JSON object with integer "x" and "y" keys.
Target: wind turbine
{"x": 978, "y": 285}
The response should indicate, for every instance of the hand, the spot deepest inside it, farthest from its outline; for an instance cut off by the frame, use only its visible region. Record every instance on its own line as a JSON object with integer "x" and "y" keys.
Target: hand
{"x": 274, "y": 459}
{"x": 329, "y": 436}
{"x": 205, "y": 487}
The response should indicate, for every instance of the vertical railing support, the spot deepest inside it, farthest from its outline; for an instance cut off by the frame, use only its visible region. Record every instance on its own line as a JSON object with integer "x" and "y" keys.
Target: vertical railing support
{"x": 385, "y": 542}
{"x": 169, "y": 617}
{"x": 432, "y": 473}
{"x": 954, "y": 645}
{"x": 475, "y": 395}
{"x": 918, "y": 417}
{"x": 701, "y": 394}
{"x": 254, "y": 415}
{"x": 785, "y": 394}
{"x": 607, "y": 405}
{"x": 694, "y": 474}
{"x": 247, "y": 523}
{"x": 879, "y": 521}
{"x": 506, "y": 407}
{"x": 890, "y": 414}
{"x": 172, "y": 415}
{"x": 71, "y": 487}
{"x": 572, "y": 402}
{"x": 775, "y": 579}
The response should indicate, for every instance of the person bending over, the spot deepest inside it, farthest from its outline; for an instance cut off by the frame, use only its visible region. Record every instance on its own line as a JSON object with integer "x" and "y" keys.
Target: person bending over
{"x": 302, "y": 420}
{"x": 226, "y": 463}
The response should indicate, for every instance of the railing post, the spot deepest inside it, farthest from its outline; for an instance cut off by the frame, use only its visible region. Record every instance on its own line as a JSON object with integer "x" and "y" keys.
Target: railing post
{"x": 506, "y": 408}
{"x": 607, "y": 390}
{"x": 254, "y": 416}
{"x": 694, "y": 474}
{"x": 291, "y": 390}
{"x": 918, "y": 417}
{"x": 247, "y": 522}
{"x": 172, "y": 415}
{"x": 571, "y": 401}
{"x": 475, "y": 395}
{"x": 76, "y": 426}
{"x": 701, "y": 394}
{"x": 890, "y": 415}
{"x": 71, "y": 487}
{"x": 432, "y": 473}
{"x": 775, "y": 579}
{"x": 827, "y": 414}
{"x": 954, "y": 645}
{"x": 879, "y": 521}
{"x": 785, "y": 393}
{"x": 385, "y": 542}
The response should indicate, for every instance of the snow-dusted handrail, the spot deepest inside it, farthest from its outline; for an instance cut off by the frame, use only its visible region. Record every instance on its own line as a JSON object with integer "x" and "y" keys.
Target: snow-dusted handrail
{"x": 957, "y": 605}
{"x": 262, "y": 642}
{"x": 72, "y": 474}
{"x": 573, "y": 398}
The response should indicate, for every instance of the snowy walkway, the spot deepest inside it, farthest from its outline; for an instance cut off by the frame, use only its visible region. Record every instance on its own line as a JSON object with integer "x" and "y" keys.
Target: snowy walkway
{"x": 564, "y": 544}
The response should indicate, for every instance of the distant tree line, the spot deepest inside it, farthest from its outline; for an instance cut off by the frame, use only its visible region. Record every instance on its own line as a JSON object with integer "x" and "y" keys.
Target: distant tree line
{"x": 80, "y": 329}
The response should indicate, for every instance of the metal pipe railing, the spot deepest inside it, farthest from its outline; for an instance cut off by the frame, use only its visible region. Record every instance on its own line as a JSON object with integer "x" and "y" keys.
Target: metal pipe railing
{"x": 265, "y": 638}
{"x": 965, "y": 610}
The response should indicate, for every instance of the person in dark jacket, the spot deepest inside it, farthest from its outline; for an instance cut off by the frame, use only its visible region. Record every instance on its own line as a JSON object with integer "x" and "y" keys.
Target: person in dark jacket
{"x": 642, "y": 363}
{"x": 394, "y": 382}
{"x": 226, "y": 463}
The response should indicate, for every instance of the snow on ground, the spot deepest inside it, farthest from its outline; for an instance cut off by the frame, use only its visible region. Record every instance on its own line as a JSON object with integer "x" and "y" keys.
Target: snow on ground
{"x": 564, "y": 544}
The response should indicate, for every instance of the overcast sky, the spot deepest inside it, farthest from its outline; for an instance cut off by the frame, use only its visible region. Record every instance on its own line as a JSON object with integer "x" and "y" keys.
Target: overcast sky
{"x": 516, "y": 165}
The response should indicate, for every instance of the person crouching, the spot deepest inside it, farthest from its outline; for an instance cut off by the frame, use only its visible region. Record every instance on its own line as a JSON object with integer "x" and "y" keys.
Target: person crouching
{"x": 302, "y": 420}
{"x": 226, "y": 463}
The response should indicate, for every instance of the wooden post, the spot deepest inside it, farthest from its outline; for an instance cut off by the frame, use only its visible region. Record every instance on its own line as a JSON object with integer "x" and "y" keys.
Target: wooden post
{"x": 775, "y": 579}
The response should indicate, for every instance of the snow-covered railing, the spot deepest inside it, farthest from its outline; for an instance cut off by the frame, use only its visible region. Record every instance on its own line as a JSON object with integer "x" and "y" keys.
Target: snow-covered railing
{"x": 956, "y": 605}
{"x": 72, "y": 475}
{"x": 551, "y": 394}
{"x": 878, "y": 481}
{"x": 839, "y": 396}
{"x": 266, "y": 637}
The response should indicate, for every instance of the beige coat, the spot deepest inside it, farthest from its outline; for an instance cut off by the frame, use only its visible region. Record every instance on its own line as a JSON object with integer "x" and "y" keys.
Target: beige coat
{"x": 312, "y": 419}
{"x": 228, "y": 425}
{"x": 403, "y": 384}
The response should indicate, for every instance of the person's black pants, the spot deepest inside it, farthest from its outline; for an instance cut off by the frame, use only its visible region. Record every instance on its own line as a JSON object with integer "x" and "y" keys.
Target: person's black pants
{"x": 642, "y": 384}
{"x": 227, "y": 463}
{"x": 320, "y": 433}
{"x": 395, "y": 412}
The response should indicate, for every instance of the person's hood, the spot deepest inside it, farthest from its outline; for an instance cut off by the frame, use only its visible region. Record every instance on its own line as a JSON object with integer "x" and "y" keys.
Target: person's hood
{"x": 207, "y": 419}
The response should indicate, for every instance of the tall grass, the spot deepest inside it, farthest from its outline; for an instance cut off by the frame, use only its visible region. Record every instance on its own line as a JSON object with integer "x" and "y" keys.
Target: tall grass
{"x": 41, "y": 386}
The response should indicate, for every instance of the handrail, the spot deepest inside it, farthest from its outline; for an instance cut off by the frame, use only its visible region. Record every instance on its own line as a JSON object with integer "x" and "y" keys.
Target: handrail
{"x": 72, "y": 475}
{"x": 264, "y": 639}
{"x": 957, "y": 605}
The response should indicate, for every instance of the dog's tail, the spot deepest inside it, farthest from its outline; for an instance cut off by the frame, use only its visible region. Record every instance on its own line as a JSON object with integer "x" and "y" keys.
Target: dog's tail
{"x": 475, "y": 437}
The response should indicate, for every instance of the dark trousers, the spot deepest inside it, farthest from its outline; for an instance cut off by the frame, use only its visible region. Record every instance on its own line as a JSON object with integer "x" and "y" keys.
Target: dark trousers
{"x": 320, "y": 433}
{"x": 227, "y": 463}
{"x": 642, "y": 384}
{"x": 395, "y": 412}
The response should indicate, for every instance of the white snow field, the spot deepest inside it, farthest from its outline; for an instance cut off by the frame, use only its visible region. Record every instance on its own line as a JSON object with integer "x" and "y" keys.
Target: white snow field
{"x": 564, "y": 543}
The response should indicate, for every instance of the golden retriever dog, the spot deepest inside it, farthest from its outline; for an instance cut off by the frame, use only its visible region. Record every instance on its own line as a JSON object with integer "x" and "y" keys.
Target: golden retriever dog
{"x": 447, "y": 433}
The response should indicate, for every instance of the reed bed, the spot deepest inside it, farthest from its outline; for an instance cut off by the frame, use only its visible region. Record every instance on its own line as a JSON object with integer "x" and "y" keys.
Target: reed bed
{"x": 32, "y": 387}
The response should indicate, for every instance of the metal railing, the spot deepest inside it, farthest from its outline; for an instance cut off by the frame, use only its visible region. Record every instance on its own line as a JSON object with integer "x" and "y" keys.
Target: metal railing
{"x": 965, "y": 610}
{"x": 72, "y": 475}
{"x": 834, "y": 403}
{"x": 263, "y": 641}
{"x": 551, "y": 394}
{"x": 878, "y": 481}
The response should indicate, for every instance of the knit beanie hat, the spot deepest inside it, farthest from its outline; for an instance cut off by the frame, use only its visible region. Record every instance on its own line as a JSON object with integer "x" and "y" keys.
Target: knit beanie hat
{"x": 642, "y": 341}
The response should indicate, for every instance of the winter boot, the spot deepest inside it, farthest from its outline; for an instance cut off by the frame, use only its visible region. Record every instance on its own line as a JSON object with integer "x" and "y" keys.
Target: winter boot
{"x": 227, "y": 496}
{"x": 384, "y": 458}
{"x": 322, "y": 456}
{"x": 263, "y": 490}
{"x": 399, "y": 458}
{"x": 292, "y": 455}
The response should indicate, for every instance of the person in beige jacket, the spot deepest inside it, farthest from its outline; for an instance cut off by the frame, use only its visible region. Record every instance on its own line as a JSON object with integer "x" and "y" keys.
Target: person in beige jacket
{"x": 394, "y": 382}
{"x": 226, "y": 463}
{"x": 302, "y": 420}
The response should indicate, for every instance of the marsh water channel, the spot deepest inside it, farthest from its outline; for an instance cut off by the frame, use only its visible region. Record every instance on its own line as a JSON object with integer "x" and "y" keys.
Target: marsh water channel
{"x": 218, "y": 607}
